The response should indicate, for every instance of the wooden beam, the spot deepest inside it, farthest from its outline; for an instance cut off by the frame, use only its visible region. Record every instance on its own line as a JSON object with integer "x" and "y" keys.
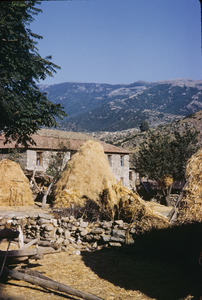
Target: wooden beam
{"x": 50, "y": 284}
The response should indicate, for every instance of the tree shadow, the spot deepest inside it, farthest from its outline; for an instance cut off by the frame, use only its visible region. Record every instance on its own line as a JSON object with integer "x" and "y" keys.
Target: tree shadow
{"x": 163, "y": 264}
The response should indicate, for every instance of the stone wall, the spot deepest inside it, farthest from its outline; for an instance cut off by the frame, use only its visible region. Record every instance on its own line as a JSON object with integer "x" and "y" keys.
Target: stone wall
{"x": 72, "y": 234}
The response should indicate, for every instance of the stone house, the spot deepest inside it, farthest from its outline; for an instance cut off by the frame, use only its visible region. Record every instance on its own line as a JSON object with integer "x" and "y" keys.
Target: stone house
{"x": 49, "y": 142}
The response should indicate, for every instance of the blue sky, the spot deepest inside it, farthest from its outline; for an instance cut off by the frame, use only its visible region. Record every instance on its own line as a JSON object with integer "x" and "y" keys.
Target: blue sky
{"x": 121, "y": 41}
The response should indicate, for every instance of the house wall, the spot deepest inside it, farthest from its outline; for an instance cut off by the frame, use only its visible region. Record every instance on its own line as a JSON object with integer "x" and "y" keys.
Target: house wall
{"x": 33, "y": 159}
{"x": 119, "y": 164}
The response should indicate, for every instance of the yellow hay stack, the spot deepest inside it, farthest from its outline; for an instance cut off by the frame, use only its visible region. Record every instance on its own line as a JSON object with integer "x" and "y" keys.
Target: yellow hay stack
{"x": 14, "y": 185}
{"x": 190, "y": 208}
{"x": 88, "y": 175}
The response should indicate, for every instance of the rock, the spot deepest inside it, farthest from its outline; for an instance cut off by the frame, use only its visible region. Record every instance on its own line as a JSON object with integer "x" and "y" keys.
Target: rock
{"x": 49, "y": 227}
{"x": 106, "y": 224}
{"x": 60, "y": 231}
{"x": 60, "y": 241}
{"x": 119, "y": 222}
{"x": 106, "y": 238}
{"x": 119, "y": 233}
{"x": 112, "y": 244}
{"x": 42, "y": 221}
{"x": 54, "y": 222}
{"x": 67, "y": 234}
{"x": 117, "y": 239}
{"x": 76, "y": 252}
{"x": 97, "y": 231}
{"x": 83, "y": 232}
{"x": 65, "y": 219}
{"x": 83, "y": 224}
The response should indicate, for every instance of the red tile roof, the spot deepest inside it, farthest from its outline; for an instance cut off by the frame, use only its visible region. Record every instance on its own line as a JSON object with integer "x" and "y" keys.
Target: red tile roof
{"x": 55, "y": 139}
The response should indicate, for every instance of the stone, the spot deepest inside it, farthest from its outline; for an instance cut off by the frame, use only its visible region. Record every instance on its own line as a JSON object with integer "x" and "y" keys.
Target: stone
{"x": 112, "y": 244}
{"x": 65, "y": 219}
{"x": 76, "y": 252}
{"x": 119, "y": 222}
{"x": 60, "y": 241}
{"x": 97, "y": 230}
{"x": 66, "y": 243}
{"x": 49, "y": 227}
{"x": 117, "y": 239}
{"x": 106, "y": 238}
{"x": 89, "y": 237}
{"x": 83, "y": 232}
{"x": 42, "y": 221}
{"x": 54, "y": 222}
{"x": 67, "y": 234}
{"x": 83, "y": 224}
{"x": 118, "y": 233}
{"x": 106, "y": 224}
{"x": 60, "y": 230}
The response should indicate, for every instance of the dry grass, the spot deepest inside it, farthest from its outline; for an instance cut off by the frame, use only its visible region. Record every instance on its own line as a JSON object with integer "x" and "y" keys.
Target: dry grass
{"x": 14, "y": 185}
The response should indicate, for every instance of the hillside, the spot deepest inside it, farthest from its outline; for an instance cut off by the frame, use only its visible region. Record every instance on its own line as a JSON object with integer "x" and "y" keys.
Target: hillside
{"x": 131, "y": 138}
{"x": 104, "y": 107}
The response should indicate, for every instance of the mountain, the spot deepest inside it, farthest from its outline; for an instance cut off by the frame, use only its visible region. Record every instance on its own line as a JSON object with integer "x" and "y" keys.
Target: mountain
{"x": 105, "y": 107}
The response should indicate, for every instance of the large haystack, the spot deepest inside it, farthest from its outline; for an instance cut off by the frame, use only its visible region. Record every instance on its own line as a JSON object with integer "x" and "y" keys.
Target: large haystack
{"x": 14, "y": 185}
{"x": 88, "y": 176}
{"x": 190, "y": 208}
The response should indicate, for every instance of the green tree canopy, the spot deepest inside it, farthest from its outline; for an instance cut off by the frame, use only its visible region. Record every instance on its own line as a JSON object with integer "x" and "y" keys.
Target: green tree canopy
{"x": 166, "y": 155}
{"x": 144, "y": 126}
{"x": 23, "y": 108}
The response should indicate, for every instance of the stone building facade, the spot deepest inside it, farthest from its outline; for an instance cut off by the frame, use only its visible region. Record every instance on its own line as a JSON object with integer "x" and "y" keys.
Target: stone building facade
{"x": 54, "y": 142}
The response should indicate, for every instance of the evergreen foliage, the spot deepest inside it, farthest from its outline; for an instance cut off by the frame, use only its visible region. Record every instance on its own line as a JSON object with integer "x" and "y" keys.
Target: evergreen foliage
{"x": 166, "y": 155}
{"x": 23, "y": 108}
{"x": 144, "y": 126}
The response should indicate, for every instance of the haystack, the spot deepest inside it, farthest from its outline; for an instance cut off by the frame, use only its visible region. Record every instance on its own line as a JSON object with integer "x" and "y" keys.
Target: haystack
{"x": 89, "y": 176}
{"x": 14, "y": 185}
{"x": 190, "y": 208}
{"x": 86, "y": 175}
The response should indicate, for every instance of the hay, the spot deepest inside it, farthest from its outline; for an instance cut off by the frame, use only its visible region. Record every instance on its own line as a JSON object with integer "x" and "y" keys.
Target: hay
{"x": 190, "y": 208}
{"x": 88, "y": 176}
{"x": 14, "y": 185}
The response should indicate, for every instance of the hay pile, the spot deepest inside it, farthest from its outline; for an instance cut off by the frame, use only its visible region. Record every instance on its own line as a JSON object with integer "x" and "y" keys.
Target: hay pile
{"x": 88, "y": 176}
{"x": 14, "y": 185}
{"x": 190, "y": 208}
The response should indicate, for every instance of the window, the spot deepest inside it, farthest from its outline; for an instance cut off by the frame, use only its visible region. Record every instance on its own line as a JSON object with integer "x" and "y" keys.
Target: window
{"x": 109, "y": 159}
{"x": 131, "y": 175}
{"x": 39, "y": 158}
{"x": 122, "y": 160}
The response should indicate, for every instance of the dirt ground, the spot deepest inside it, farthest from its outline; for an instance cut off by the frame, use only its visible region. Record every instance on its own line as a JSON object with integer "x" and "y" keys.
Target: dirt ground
{"x": 111, "y": 274}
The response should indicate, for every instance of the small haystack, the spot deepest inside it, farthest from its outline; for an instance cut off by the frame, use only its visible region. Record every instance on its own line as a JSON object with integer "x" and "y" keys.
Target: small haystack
{"x": 190, "y": 207}
{"x": 14, "y": 185}
{"x": 88, "y": 176}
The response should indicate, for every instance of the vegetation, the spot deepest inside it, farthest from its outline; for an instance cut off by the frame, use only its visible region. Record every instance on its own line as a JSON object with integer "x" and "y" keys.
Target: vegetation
{"x": 144, "y": 126}
{"x": 166, "y": 155}
{"x": 23, "y": 108}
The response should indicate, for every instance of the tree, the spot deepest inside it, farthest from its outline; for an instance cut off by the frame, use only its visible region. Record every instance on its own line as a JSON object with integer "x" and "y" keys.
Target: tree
{"x": 163, "y": 156}
{"x": 23, "y": 107}
{"x": 144, "y": 126}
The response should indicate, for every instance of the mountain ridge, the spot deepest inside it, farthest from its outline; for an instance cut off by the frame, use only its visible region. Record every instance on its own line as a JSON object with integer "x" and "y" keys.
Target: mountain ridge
{"x": 107, "y": 107}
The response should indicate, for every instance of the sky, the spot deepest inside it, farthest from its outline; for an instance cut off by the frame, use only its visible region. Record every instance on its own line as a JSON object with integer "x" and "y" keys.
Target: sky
{"x": 121, "y": 41}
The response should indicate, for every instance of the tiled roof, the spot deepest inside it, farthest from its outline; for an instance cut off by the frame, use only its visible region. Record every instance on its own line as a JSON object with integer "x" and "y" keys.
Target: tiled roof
{"x": 46, "y": 139}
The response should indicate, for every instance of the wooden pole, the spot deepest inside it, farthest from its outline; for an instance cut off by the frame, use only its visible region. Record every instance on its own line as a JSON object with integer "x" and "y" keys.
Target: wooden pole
{"x": 50, "y": 284}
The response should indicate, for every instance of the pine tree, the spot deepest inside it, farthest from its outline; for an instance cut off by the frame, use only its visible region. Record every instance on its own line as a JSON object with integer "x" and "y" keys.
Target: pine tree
{"x": 144, "y": 126}
{"x": 23, "y": 108}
